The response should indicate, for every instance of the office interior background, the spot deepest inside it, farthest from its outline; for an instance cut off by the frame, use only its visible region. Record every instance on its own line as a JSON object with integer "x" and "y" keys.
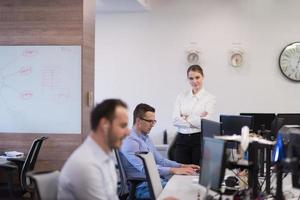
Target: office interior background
{"x": 140, "y": 54}
{"x": 139, "y": 50}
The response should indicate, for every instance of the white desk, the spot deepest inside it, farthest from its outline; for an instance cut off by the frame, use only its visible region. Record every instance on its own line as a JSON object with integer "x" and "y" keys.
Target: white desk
{"x": 181, "y": 187}
{"x": 184, "y": 188}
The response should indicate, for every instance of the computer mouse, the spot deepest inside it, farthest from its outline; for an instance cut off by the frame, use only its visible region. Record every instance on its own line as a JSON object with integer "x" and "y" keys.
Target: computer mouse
{"x": 231, "y": 181}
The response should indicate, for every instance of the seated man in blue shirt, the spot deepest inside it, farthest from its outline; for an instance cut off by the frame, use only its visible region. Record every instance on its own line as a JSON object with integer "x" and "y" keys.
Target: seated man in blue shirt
{"x": 138, "y": 140}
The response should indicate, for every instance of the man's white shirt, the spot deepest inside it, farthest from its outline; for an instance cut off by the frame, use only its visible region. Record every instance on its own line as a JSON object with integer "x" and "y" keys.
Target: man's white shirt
{"x": 88, "y": 174}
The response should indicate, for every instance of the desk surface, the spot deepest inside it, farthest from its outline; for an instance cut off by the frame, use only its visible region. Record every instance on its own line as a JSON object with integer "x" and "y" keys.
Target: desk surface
{"x": 183, "y": 188}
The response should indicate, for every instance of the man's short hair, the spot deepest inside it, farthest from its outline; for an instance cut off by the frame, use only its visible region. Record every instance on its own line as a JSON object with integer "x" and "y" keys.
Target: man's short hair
{"x": 105, "y": 109}
{"x": 140, "y": 110}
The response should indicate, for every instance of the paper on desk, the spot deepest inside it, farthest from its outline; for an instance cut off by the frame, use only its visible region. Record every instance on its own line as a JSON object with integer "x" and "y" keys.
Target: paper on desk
{"x": 13, "y": 154}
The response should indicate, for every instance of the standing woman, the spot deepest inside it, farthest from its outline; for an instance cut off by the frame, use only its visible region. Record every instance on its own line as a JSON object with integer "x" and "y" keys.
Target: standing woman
{"x": 190, "y": 107}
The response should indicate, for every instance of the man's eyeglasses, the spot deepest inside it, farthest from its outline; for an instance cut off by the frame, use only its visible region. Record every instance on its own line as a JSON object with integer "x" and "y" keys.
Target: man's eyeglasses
{"x": 149, "y": 120}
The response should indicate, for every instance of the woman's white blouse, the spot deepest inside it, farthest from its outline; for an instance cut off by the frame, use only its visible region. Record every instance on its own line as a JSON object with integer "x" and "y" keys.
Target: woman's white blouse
{"x": 192, "y": 106}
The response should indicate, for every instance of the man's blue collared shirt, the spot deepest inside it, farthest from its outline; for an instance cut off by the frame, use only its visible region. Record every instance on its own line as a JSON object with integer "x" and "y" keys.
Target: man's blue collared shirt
{"x": 133, "y": 165}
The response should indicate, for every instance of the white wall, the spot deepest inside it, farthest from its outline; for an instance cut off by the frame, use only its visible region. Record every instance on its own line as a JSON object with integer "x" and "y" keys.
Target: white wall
{"x": 140, "y": 57}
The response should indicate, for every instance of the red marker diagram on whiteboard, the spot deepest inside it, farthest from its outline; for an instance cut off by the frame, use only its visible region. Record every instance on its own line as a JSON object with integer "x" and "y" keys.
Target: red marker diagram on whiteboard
{"x": 26, "y": 95}
{"x": 40, "y": 77}
{"x": 30, "y": 52}
{"x": 25, "y": 70}
{"x": 50, "y": 77}
{"x": 8, "y": 79}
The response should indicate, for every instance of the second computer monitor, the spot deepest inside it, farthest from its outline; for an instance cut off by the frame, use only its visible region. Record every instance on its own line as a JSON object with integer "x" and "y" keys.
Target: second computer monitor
{"x": 293, "y": 152}
{"x": 290, "y": 118}
{"x": 213, "y": 164}
{"x": 260, "y": 120}
{"x": 210, "y": 128}
{"x": 232, "y": 124}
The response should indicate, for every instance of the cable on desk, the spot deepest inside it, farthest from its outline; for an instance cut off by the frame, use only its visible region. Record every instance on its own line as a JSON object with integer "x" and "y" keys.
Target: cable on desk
{"x": 232, "y": 154}
{"x": 239, "y": 177}
{"x": 264, "y": 181}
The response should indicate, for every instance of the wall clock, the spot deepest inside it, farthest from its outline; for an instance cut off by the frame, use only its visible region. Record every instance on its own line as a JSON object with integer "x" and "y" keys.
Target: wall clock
{"x": 193, "y": 57}
{"x": 236, "y": 58}
{"x": 289, "y": 61}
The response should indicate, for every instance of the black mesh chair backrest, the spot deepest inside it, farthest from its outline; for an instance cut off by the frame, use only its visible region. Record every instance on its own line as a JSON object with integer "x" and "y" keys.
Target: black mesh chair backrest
{"x": 123, "y": 179}
{"x": 30, "y": 161}
{"x": 127, "y": 188}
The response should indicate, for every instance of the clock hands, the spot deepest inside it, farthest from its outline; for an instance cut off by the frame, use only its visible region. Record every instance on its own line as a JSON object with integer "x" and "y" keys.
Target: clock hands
{"x": 298, "y": 62}
{"x": 296, "y": 70}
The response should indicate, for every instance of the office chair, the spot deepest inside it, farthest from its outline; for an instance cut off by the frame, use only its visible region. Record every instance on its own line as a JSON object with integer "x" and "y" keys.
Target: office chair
{"x": 23, "y": 166}
{"x": 45, "y": 184}
{"x": 127, "y": 186}
{"x": 152, "y": 174}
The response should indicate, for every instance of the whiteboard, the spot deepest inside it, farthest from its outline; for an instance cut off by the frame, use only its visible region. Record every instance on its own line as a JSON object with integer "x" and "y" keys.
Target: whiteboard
{"x": 40, "y": 89}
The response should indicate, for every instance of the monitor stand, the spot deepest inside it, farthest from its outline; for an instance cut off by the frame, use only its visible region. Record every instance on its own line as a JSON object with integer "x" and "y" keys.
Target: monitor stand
{"x": 279, "y": 194}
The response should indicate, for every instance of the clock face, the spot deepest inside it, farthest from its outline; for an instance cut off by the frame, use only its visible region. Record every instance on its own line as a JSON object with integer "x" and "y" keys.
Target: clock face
{"x": 193, "y": 58}
{"x": 236, "y": 59}
{"x": 289, "y": 61}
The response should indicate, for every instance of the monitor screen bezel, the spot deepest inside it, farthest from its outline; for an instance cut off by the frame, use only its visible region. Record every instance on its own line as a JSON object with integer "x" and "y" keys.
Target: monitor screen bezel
{"x": 223, "y": 163}
{"x": 271, "y": 115}
{"x": 233, "y": 116}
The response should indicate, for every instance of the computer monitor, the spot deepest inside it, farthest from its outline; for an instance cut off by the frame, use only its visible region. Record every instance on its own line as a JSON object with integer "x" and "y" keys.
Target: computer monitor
{"x": 290, "y": 118}
{"x": 293, "y": 152}
{"x": 276, "y": 125}
{"x": 261, "y": 119}
{"x": 210, "y": 128}
{"x": 213, "y": 164}
{"x": 232, "y": 124}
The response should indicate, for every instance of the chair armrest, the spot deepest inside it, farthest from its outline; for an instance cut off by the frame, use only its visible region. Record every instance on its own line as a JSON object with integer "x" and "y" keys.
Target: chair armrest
{"x": 18, "y": 161}
{"x": 136, "y": 179}
{"x": 31, "y": 174}
{"x": 133, "y": 182}
{"x": 9, "y": 166}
